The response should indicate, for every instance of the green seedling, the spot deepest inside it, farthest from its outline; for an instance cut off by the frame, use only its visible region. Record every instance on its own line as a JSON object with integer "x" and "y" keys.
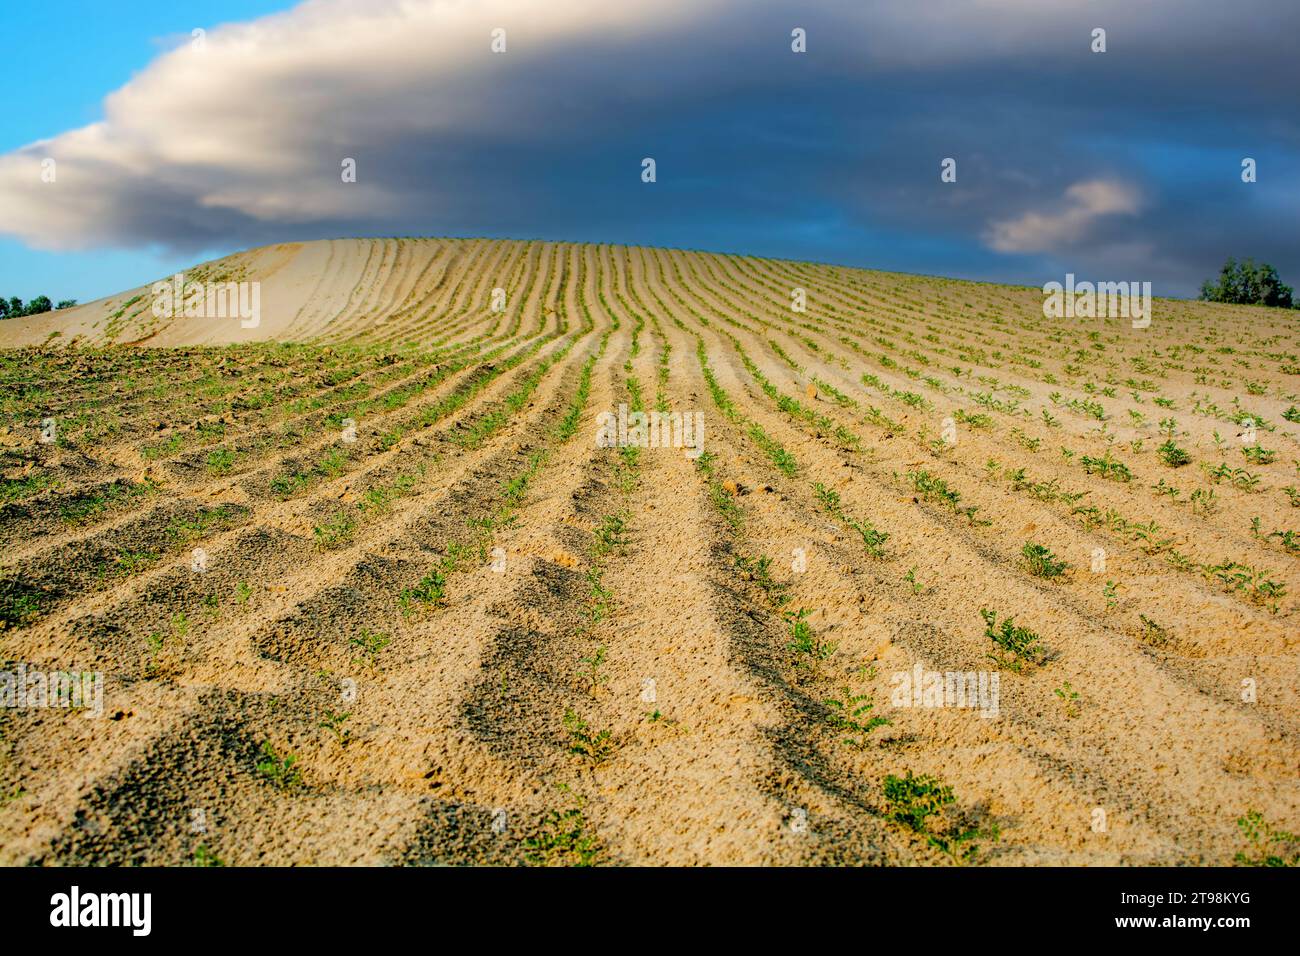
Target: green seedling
{"x": 1269, "y": 846}
{"x": 910, "y": 578}
{"x": 1042, "y": 562}
{"x": 281, "y": 772}
{"x": 611, "y": 535}
{"x": 847, "y": 715}
{"x": 221, "y": 461}
{"x": 591, "y": 670}
{"x": 810, "y": 650}
{"x": 1069, "y": 698}
{"x": 369, "y": 644}
{"x": 1152, "y": 632}
{"x": 759, "y": 570}
{"x": 913, "y": 800}
{"x": 1015, "y": 646}
{"x": 1172, "y": 455}
{"x": 595, "y": 748}
{"x": 431, "y": 591}
{"x": 333, "y": 722}
{"x": 564, "y": 839}
{"x": 205, "y": 857}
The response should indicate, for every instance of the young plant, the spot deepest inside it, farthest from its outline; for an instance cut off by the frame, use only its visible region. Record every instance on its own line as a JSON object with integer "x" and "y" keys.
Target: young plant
{"x": 910, "y": 578}
{"x": 369, "y": 644}
{"x": 221, "y": 461}
{"x": 1269, "y": 846}
{"x": 759, "y": 570}
{"x": 336, "y": 531}
{"x": 1172, "y": 455}
{"x": 1042, "y": 562}
{"x": 334, "y": 722}
{"x": 872, "y": 539}
{"x": 913, "y": 800}
{"x": 280, "y": 771}
{"x": 848, "y": 717}
{"x": 810, "y": 650}
{"x": 1204, "y": 501}
{"x": 611, "y": 535}
{"x": 1152, "y": 632}
{"x": 600, "y": 599}
{"x": 205, "y": 857}
{"x": 431, "y": 591}
{"x": 591, "y": 670}
{"x": 1107, "y": 467}
{"x": 564, "y": 840}
{"x": 593, "y": 747}
{"x": 1015, "y": 646}
{"x": 1069, "y": 698}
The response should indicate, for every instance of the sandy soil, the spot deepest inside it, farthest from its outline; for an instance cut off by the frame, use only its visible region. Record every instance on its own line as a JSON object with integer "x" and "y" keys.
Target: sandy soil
{"x": 437, "y": 622}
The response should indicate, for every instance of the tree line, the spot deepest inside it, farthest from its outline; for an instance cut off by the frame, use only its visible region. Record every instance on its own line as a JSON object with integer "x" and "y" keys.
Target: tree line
{"x": 1245, "y": 283}
{"x": 13, "y": 307}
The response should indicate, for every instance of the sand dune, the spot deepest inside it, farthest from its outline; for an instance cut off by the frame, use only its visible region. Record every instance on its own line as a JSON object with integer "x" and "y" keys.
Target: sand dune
{"x": 433, "y": 620}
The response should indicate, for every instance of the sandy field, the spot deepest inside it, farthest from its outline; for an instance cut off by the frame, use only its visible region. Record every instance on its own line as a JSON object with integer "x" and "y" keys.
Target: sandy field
{"x": 932, "y": 579}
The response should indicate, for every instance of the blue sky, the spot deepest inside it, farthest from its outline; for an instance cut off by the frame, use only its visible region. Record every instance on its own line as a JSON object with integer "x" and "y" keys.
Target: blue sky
{"x": 1120, "y": 165}
{"x": 74, "y": 53}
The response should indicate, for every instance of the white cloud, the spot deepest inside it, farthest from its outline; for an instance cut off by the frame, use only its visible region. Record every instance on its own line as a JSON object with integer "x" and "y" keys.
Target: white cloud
{"x": 252, "y": 127}
{"x": 1067, "y": 222}
{"x": 241, "y": 143}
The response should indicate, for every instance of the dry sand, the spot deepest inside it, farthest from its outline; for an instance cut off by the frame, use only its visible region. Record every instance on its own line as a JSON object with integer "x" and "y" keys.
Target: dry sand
{"x": 473, "y": 636}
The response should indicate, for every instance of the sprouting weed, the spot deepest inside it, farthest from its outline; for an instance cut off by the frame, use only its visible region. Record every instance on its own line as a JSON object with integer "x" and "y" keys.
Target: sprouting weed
{"x": 910, "y": 578}
{"x": 810, "y": 650}
{"x": 280, "y": 771}
{"x": 333, "y": 722}
{"x": 593, "y": 747}
{"x": 369, "y": 644}
{"x": 1042, "y": 562}
{"x": 1015, "y": 646}
{"x": 591, "y": 670}
{"x": 1269, "y": 846}
{"x": 848, "y": 716}
{"x": 1069, "y": 698}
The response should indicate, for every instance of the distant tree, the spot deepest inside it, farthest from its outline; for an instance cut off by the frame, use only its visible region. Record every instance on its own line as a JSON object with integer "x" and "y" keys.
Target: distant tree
{"x": 13, "y": 308}
{"x": 1245, "y": 283}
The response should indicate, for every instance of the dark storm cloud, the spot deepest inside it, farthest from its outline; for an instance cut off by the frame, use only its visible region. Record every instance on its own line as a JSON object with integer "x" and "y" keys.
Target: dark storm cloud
{"x": 1124, "y": 163}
